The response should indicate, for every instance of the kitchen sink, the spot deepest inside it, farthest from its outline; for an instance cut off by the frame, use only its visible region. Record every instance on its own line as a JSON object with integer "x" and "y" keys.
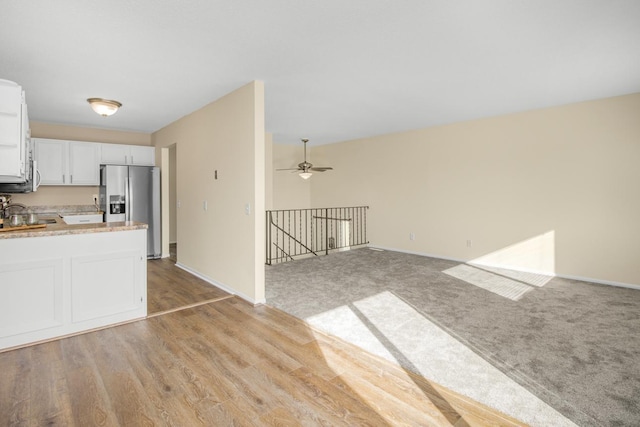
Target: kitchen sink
{"x": 47, "y": 221}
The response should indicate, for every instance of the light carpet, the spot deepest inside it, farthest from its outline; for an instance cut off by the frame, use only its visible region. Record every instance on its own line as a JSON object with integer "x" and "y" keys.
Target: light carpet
{"x": 548, "y": 351}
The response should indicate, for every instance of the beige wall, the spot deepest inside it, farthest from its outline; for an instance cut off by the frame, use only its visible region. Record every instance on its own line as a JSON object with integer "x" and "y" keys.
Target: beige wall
{"x": 76, "y": 133}
{"x": 173, "y": 194}
{"x": 223, "y": 243}
{"x": 268, "y": 171}
{"x": 57, "y": 195}
{"x": 67, "y": 195}
{"x": 163, "y": 159}
{"x": 555, "y": 190}
{"x": 292, "y": 192}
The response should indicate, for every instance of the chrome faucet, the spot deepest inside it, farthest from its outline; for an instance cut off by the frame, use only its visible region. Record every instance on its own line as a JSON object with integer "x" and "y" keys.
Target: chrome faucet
{"x": 5, "y": 212}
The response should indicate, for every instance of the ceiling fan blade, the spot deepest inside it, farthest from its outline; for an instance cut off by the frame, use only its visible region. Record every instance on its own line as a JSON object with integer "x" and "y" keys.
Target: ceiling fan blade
{"x": 306, "y": 166}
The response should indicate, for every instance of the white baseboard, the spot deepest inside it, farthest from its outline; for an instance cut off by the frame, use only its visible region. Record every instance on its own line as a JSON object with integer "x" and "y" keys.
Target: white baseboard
{"x": 563, "y": 276}
{"x": 600, "y": 282}
{"x": 220, "y": 285}
{"x": 384, "y": 248}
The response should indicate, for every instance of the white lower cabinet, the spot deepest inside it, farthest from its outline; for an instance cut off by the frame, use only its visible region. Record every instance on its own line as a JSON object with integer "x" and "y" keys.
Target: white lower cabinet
{"x": 93, "y": 280}
{"x": 20, "y": 311}
{"x": 104, "y": 285}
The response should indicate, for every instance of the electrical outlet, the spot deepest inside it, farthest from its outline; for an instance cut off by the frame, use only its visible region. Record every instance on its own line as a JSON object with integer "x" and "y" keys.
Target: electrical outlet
{"x": 205, "y": 206}
{"x": 95, "y": 198}
{"x": 247, "y": 209}
{"x": 469, "y": 243}
{"x": 412, "y": 236}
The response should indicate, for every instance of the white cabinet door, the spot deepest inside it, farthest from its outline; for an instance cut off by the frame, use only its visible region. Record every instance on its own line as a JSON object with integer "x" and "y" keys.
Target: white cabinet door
{"x": 11, "y": 138}
{"x": 52, "y": 158}
{"x": 78, "y": 162}
{"x": 105, "y": 285}
{"x": 120, "y": 154}
{"x": 30, "y": 296}
{"x": 84, "y": 163}
{"x": 52, "y": 286}
{"x": 114, "y": 154}
{"x": 142, "y": 155}
{"x": 67, "y": 162}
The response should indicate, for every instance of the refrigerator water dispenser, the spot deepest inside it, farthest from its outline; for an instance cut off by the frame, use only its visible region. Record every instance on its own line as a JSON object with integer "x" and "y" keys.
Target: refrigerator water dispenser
{"x": 116, "y": 204}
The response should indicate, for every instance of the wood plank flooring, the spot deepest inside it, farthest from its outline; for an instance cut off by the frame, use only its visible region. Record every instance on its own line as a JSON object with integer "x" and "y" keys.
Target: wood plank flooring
{"x": 169, "y": 287}
{"x": 220, "y": 363}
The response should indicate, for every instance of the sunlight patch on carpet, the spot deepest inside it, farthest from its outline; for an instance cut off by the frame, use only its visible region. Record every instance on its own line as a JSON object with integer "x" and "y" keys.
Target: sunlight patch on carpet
{"x": 533, "y": 279}
{"x": 343, "y": 322}
{"x": 387, "y": 326}
{"x": 487, "y": 280}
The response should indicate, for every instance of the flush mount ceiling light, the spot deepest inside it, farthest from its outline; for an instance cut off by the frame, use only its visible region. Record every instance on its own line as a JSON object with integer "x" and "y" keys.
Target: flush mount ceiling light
{"x": 104, "y": 107}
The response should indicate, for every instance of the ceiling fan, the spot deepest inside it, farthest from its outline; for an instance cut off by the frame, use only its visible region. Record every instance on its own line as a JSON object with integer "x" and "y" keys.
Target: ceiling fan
{"x": 305, "y": 167}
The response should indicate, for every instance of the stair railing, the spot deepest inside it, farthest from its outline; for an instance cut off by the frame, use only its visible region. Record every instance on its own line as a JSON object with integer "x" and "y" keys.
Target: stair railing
{"x": 296, "y": 233}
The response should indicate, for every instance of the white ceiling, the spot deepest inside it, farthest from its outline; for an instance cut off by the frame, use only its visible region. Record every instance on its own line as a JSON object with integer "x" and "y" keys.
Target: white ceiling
{"x": 333, "y": 70}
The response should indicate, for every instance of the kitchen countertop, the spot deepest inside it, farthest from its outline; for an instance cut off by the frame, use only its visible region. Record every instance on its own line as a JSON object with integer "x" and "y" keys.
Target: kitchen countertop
{"x": 63, "y": 209}
{"x": 62, "y": 229}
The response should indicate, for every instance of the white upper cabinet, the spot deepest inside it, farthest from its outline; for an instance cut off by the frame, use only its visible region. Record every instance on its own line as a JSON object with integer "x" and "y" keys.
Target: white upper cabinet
{"x": 78, "y": 163}
{"x": 114, "y": 154}
{"x": 67, "y": 162}
{"x": 84, "y": 163}
{"x": 52, "y": 159}
{"x": 13, "y": 132}
{"x": 142, "y": 155}
{"x": 119, "y": 154}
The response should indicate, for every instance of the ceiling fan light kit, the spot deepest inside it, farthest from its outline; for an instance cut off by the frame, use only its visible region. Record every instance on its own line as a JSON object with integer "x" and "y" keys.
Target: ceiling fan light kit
{"x": 304, "y": 169}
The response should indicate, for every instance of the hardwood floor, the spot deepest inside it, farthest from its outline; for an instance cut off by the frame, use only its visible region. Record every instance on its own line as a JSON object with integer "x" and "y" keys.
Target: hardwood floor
{"x": 173, "y": 252}
{"x": 217, "y": 364}
{"x": 170, "y": 288}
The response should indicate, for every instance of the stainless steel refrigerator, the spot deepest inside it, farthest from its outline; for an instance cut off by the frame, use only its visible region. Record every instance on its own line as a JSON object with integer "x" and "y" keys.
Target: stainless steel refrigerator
{"x": 132, "y": 193}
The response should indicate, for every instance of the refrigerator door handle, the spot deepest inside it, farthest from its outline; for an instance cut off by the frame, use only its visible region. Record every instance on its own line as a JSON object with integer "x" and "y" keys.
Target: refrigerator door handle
{"x": 131, "y": 196}
{"x": 127, "y": 199}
